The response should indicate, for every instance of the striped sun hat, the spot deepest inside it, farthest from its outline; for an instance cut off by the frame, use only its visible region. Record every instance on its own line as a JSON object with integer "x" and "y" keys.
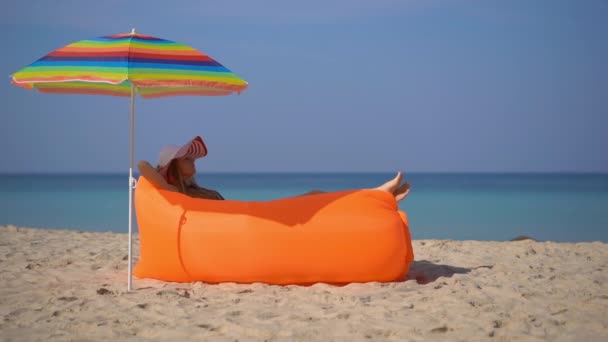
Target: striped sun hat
{"x": 195, "y": 148}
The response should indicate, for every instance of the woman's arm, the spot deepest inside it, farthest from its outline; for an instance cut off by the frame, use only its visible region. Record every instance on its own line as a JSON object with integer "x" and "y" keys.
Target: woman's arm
{"x": 148, "y": 171}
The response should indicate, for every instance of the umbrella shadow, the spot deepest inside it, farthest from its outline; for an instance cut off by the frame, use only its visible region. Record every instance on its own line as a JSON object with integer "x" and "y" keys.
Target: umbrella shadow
{"x": 425, "y": 272}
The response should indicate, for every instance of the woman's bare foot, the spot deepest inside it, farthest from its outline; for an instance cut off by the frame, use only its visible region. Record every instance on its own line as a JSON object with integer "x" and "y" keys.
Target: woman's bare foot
{"x": 392, "y": 184}
{"x": 402, "y": 191}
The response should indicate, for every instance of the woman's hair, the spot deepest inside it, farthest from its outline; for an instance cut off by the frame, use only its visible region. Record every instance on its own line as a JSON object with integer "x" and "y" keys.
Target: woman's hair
{"x": 182, "y": 183}
{"x": 188, "y": 186}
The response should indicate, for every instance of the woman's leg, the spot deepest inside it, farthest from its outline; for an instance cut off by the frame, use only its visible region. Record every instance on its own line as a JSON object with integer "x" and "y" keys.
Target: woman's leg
{"x": 313, "y": 192}
{"x": 402, "y": 191}
{"x": 392, "y": 184}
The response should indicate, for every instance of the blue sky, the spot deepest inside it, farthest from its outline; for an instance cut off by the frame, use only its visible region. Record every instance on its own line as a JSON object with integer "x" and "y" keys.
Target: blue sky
{"x": 419, "y": 85}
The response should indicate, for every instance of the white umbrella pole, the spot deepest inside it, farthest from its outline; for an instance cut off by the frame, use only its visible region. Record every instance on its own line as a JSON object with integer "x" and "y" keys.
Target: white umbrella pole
{"x": 131, "y": 187}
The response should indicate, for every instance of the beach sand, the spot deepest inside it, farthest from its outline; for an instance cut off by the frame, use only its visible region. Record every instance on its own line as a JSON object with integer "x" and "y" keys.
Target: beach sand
{"x": 70, "y": 285}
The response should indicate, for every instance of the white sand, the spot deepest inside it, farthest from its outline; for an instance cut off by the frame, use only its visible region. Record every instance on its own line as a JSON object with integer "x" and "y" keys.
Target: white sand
{"x": 68, "y": 285}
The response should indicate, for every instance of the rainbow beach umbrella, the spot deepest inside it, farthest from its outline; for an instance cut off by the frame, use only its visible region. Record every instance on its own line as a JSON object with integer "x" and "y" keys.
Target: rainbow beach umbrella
{"x": 126, "y": 65}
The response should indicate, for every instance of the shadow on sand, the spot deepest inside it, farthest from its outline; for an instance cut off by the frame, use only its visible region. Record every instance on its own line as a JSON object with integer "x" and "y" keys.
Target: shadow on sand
{"x": 424, "y": 271}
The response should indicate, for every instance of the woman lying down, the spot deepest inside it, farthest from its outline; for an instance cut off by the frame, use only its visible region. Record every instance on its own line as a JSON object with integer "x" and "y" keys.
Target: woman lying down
{"x": 176, "y": 172}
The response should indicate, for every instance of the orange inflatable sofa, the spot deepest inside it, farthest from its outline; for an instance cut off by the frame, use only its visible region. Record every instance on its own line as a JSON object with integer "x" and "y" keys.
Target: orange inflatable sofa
{"x": 336, "y": 238}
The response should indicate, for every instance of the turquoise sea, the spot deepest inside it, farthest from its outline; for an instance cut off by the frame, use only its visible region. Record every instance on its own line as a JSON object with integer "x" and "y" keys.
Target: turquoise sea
{"x": 557, "y": 207}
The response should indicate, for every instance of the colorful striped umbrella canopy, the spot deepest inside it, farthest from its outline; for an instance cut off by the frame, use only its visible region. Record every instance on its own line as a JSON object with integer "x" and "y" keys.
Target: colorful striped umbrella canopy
{"x": 110, "y": 65}
{"x": 126, "y": 65}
